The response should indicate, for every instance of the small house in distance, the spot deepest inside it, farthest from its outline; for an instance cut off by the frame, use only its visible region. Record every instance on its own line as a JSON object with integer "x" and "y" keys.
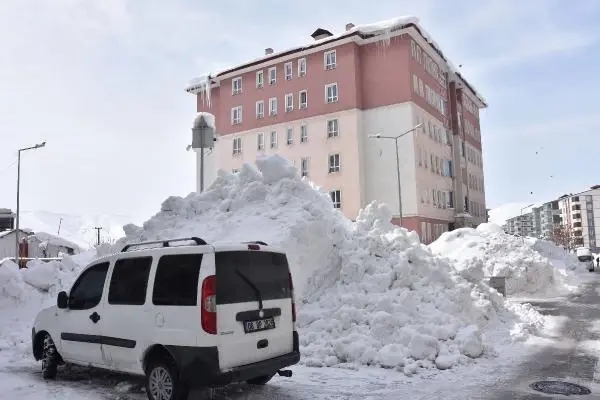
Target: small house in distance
{"x": 7, "y": 219}
{"x": 35, "y": 245}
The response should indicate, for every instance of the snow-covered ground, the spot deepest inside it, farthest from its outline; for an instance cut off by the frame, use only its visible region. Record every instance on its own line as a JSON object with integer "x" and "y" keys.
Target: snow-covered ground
{"x": 369, "y": 293}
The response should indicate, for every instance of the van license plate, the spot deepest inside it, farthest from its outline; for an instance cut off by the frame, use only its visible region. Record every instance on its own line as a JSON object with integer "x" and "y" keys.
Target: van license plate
{"x": 259, "y": 325}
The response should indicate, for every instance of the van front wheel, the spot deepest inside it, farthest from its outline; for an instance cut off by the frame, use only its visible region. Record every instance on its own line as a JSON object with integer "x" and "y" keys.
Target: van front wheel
{"x": 260, "y": 380}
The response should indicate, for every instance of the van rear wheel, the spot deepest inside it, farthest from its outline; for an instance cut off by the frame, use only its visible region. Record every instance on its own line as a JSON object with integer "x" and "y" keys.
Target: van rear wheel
{"x": 260, "y": 380}
{"x": 162, "y": 382}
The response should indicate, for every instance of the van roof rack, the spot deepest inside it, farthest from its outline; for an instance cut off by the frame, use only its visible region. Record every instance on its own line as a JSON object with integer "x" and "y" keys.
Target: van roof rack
{"x": 165, "y": 243}
{"x": 257, "y": 242}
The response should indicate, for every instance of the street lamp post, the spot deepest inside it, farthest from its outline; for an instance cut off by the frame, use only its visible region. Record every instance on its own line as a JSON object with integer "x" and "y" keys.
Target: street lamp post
{"x": 395, "y": 138}
{"x": 37, "y": 146}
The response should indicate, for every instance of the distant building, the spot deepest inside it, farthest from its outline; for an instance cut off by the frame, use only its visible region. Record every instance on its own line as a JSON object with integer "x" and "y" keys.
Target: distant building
{"x": 319, "y": 105}
{"x": 34, "y": 245}
{"x": 521, "y": 225}
{"x": 7, "y": 219}
{"x": 579, "y": 213}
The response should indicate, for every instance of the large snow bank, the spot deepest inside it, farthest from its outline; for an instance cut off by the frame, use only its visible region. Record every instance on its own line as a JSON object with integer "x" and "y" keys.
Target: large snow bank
{"x": 369, "y": 293}
{"x": 531, "y": 266}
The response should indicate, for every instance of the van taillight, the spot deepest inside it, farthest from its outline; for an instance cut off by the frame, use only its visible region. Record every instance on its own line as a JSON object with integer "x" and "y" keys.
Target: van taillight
{"x": 293, "y": 300}
{"x": 209, "y": 305}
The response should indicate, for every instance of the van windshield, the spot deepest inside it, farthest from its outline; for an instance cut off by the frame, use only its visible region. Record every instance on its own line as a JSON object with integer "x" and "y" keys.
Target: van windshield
{"x": 266, "y": 271}
{"x": 585, "y": 258}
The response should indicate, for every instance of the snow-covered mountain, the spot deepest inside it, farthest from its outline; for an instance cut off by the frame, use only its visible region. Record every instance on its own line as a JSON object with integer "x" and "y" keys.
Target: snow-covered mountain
{"x": 78, "y": 229}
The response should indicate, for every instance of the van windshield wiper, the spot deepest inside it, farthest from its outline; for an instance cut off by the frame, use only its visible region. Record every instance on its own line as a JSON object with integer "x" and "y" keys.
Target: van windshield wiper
{"x": 253, "y": 286}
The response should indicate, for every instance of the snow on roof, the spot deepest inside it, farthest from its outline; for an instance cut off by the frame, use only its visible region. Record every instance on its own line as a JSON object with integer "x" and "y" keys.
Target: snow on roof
{"x": 202, "y": 85}
{"x": 8, "y": 232}
{"x": 55, "y": 240}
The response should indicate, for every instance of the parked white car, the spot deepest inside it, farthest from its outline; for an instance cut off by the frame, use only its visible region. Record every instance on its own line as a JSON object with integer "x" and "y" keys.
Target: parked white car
{"x": 183, "y": 316}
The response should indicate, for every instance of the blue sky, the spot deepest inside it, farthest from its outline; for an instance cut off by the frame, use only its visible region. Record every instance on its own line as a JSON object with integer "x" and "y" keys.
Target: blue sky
{"x": 102, "y": 82}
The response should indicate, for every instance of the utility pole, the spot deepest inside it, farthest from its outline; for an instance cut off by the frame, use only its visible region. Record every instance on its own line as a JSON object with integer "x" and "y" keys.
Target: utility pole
{"x": 59, "y": 224}
{"x": 17, "y": 244}
{"x": 98, "y": 228}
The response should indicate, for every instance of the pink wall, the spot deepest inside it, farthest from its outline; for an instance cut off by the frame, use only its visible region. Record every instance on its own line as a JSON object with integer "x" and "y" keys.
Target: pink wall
{"x": 314, "y": 82}
{"x": 384, "y": 73}
{"x": 419, "y": 70}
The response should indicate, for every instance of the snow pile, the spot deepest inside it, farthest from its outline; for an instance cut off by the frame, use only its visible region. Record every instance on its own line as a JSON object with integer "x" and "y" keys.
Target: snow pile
{"x": 531, "y": 266}
{"x": 369, "y": 293}
{"x": 24, "y": 292}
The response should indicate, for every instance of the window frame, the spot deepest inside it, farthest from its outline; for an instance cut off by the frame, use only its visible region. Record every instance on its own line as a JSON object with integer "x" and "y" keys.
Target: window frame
{"x": 302, "y": 71}
{"x": 336, "y": 132}
{"x": 302, "y": 105}
{"x": 332, "y": 195}
{"x": 329, "y": 66}
{"x": 233, "y": 86}
{"x": 260, "y": 83}
{"x": 237, "y": 151}
{"x": 289, "y": 136}
{"x": 156, "y": 274}
{"x": 77, "y": 283}
{"x": 260, "y": 144}
{"x": 304, "y": 160}
{"x": 262, "y": 114}
{"x": 332, "y": 168}
{"x": 112, "y": 275}
{"x": 289, "y": 107}
{"x": 337, "y": 93}
{"x": 233, "y": 120}
{"x": 288, "y": 77}
{"x": 273, "y": 143}
{"x": 274, "y": 80}
{"x": 272, "y": 111}
{"x": 303, "y": 133}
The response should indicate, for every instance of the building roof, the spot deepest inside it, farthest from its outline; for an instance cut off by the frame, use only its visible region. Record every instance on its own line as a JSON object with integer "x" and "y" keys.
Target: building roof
{"x": 44, "y": 237}
{"x": 384, "y": 29}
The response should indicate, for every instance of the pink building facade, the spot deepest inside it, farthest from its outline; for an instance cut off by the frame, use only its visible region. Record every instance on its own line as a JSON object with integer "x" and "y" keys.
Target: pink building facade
{"x": 320, "y": 106}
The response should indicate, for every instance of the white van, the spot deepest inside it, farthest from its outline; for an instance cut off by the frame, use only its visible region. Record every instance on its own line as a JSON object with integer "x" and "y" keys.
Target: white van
{"x": 183, "y": 316}
{"x": 584, "y": 255}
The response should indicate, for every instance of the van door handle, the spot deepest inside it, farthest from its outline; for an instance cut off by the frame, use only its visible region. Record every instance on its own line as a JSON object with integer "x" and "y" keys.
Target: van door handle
{"x": 95, "y": 317}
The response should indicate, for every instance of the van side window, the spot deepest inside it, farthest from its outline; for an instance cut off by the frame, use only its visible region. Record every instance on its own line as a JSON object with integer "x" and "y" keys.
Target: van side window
{"x": 176, "y": 281}
{"x": 86, "y": 292}
{"x": 129, "y": 281}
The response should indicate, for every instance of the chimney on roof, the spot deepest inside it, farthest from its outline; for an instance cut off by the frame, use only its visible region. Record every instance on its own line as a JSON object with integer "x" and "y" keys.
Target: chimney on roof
{"x": 349, "y": 26}
{"x": 321, "y": 33}
{"x": 268, "y": 51}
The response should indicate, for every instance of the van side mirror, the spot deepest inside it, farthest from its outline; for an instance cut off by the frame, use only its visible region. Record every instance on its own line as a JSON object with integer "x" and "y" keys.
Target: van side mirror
{"x": 63, "y": 300}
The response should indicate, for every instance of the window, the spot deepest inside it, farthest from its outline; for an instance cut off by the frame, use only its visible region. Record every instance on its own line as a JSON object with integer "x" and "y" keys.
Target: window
{"x": 289, "y": 136}
{"x": 236, "y": 85}
{"x": 303, "y": 99}
{"x": 330, "y": 59}
{"x": 303, "y": 133}
{"x": 260, "y": 79}
{"x": 260, "y": 109}
{"x": 433, "y": 197}
{"x": 87, "y": 290}
{"x": 333, "y": 128}
{"x": 334, "y": 163}
{"x": 421, "y": 91}
{"x": 287, "y": 67}
{"x": 415, "y": 84}
{"x": 424, "y": 231}
{"x": 236, "y": 115}
{"x": 260, "y": 141}
{"x": 304, "y": 167}
{"x": 302, "y": 67}
{"x": 466, "y": 203}
{"x": 289, "y": 102}
{"x": 272, "y": 75}
{"x": 273, "y": 139}
{"x": 273, "y": 106}
{"x": 129, "y": 281}
{"x": 336, "y": 198}
{"x": 331, "y": 93}
{"x": 237, "y": 145}
{"x": 235, "y": 171}
{"x": 176, "y": 280}
{"x": 448, "y": 168}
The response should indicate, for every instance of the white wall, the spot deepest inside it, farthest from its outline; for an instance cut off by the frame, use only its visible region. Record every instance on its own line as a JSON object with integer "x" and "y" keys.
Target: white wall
{"x": 380, "y": 157}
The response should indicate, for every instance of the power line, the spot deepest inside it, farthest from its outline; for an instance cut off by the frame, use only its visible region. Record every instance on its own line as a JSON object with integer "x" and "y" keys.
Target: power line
{"x": 8, "y": 167}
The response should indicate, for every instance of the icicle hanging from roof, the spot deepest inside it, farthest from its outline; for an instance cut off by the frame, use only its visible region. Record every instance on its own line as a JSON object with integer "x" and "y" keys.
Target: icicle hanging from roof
{"x": 202, "y": 87}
